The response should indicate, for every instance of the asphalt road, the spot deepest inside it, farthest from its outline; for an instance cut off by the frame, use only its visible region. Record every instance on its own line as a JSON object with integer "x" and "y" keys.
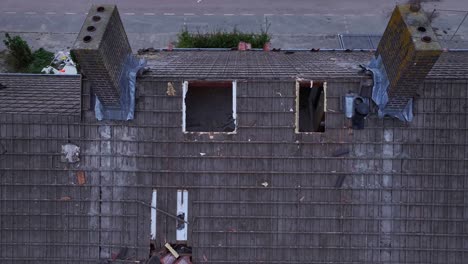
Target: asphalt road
{"x": 338, "y": 7}
{"x": 293, "y": 24}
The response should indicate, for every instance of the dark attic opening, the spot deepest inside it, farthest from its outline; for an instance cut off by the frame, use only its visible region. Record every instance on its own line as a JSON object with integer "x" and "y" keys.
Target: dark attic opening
{"x": 209, "y": 107}
{"x": 311, "y": 107}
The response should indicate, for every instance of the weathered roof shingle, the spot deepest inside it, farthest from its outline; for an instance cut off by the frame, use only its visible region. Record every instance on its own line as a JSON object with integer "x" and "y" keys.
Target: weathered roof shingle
{"x": 40, "y": 94}
{"x": 282, "y": 65}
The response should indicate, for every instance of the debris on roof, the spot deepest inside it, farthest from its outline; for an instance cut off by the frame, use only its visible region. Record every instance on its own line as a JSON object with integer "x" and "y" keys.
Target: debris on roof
{"x": 61, "y": 64}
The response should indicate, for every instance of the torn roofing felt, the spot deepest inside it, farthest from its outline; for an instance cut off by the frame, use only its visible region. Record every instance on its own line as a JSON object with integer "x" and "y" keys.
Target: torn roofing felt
{"x": 127, "y": 83}
{"x": 380, "y": 92}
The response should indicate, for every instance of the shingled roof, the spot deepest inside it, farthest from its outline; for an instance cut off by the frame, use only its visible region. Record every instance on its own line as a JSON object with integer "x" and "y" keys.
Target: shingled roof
{"x": 281, "y": 65}
{"x": 255, "y": 64}
{"x": 40, "y": 94}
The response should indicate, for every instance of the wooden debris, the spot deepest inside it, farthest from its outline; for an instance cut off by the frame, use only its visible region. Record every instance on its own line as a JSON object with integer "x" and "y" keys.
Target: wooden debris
{"x": 173, "y": 252}
{"x": 81, "y": 177}
{"x": 339, "y": 181}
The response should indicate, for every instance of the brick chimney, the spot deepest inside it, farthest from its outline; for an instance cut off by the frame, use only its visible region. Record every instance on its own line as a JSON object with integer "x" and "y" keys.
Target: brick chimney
{"x": 408, "y": 49}
{"x": 101, "y": 49}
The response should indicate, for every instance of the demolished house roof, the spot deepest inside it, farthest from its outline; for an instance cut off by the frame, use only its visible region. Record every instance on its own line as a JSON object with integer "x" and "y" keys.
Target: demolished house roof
{"x": 81, "y": 190}
{"x": 263, "y": 195}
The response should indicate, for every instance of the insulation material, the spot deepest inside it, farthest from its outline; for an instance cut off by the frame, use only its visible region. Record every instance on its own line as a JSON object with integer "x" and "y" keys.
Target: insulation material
{"x": 182, "y": 213}
{"x": 170, "y": 89}
{"x": 153, "y": 214}
{"x": 380, "y": 92}
{"x": 70, "y": 153}
{"x": 127, "y": 86}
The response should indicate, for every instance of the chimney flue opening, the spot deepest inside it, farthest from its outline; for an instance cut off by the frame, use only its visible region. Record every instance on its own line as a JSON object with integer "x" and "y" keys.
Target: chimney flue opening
{"x": 101, "y": 9}
{"x": 91, "y": 28}
{"x": 426, "y": 39}
{"x": 87, "y": 39}
{"x": 421, "y": 29}
{"x": 96, "y": 18}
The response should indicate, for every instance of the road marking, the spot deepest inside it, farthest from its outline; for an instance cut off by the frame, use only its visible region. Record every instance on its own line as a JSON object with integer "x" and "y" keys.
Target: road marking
{"x": 189, "y": 14}
{"x": 148, "y": 14}
{"x": 50, "y": 13}
{"x": 228, "y": 14}
{"x": 288, "y": 14}
{"x": 68, "y": 13}
{"x": 30, "y": 13}
{"x": 10, "y": 12}
{"x": 208, "y": 14}
{"x": 169, "y": 14}
{"x": 267, "y": 14}
{"x": 247, "y": 14}
{"x": 309, "y": 14}
{"x": 129, "y": 14}
{"x": 346, "y": 25}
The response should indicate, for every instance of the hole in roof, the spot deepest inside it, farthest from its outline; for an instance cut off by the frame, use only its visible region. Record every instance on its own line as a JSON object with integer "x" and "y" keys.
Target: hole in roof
{"x": 100, "y": 9}
{"x": 91, "y": 28}
{"x": 310, "y": 115}
{"x": 426, "y": 39}
{"x": 96, "y": 18}
{"x": 209, "y": 107}
{"x": 87, "y": 39}
{"x": 421, "y": 29}
{"x": 2, "y": 86}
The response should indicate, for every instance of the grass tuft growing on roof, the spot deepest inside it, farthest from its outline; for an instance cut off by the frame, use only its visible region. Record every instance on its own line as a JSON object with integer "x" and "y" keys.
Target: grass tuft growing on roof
{"x": 221, "y": 39}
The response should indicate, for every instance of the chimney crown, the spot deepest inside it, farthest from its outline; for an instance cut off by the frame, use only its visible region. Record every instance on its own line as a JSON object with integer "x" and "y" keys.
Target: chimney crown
{"x": 409, "y": 48}
{"x": 101, "y": 50}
